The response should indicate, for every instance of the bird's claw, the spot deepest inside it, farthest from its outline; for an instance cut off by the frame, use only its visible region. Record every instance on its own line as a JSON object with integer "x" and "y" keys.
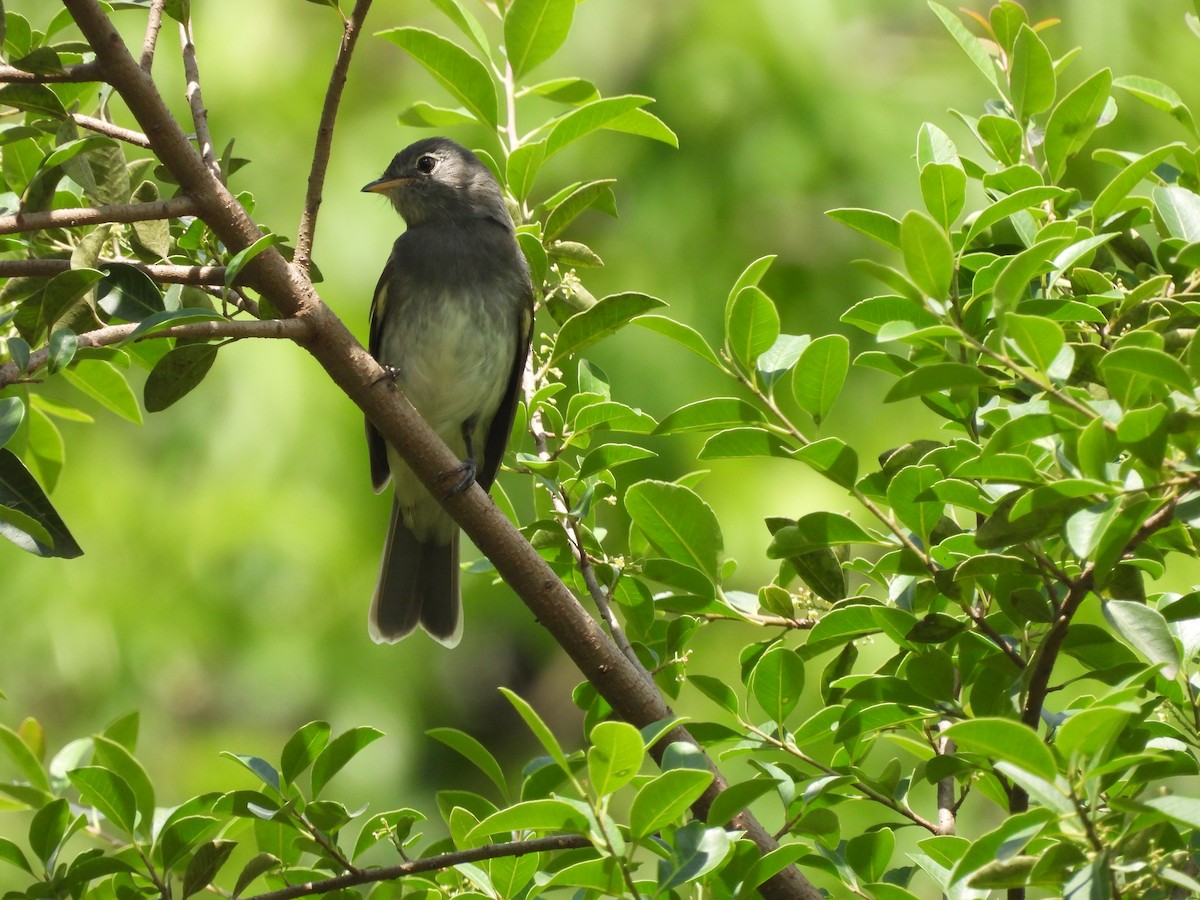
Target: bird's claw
{"x": 390, "y": 373}
{"x": 460, "y": 477}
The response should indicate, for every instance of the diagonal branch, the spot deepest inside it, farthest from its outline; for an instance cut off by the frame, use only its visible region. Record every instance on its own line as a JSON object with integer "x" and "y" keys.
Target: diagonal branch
{"x": 153, "y": 25}
{"x": 191, "y": 69}
{"x": 115, "y": 131}
{"x": 320, "y": 161}
{"x": 172, "y": 208}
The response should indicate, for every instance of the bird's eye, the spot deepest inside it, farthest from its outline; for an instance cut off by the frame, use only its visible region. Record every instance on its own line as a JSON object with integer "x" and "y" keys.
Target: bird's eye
{"x": 426, "y": 164}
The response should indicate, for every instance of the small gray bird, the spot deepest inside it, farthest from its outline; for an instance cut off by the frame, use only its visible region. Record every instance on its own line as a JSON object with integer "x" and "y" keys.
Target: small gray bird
{"x": 452, "y": 320}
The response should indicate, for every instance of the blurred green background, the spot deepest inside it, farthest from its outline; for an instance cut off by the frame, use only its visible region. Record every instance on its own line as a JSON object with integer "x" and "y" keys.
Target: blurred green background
{"x": 232, "y": 542}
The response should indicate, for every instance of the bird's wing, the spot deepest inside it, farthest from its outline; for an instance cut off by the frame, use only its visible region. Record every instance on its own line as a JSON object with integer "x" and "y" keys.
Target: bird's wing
{"x": 497, "y": 437}
{"x": 376, "y": 445}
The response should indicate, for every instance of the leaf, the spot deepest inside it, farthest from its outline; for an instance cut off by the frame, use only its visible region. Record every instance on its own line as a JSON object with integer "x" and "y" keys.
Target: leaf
{"x": 108, "y": 793}
{"x": 301, "y": 749}
{"x": 176, "y": 374}
{"x": 736, "y": 443}
{"x": 472, "y": 750}
{"x": 544, "y": 735}
{"x": 464, "y": 76}
{"x": 1146, "y": 362}
{"x": 169, "y": 318}
{"x": 604, "y": 317}
{"x": 608, "y": 456}
{"x": 814, "y": 531}
{"x": 643, "y": 123}
{"x": 534, "y": 30}
{"x": 1160, "y": 96}
{"x": 751, "y": 326}
{"x": 820, "y": 374}
{"x": 550, "y": 814}
{"x": 259, "y": 864}
{"x": 970, "y": 44}
{"x": 936, "y": 377}
{"x": 1180, "y": 211}
{"x": 1147, "y": 630}
{"x": 426, "y": 115}
{"x": 684, "y": 335}
{"x": 737, "y": 797}
{"x": 1012, "y": 284}
{"x": 204, "y": 866}
{"x": 104, "y": 383}
{"x": 697, "y": 850}
{"x": 126, "y": 292}
{"x": 12, "y": 413}
{"x": 588, "y": 117}
{"x": 117, "y": 759}
{"x": 615, "y": 756}
{"x": 928, "y": 256}
{"x": 1038, "y": 340}
{"x": 1118, "y": 189}
{"x": 712, "y": 414}
{"x": 874, "y": 224}
{"x": 777, "y": 681}
{"x": 1005, "y": 739}
{"x": 178, "y": 838}
{"x": 716, "y": 690}
{"x": 1031, "y": 75}
{"x": 677, "y": 522}
{"x": 1073, "y": 120}
{"x": 467, "y": 23}
{"x": 943, "y": 189}
{"x": 36, "y": 98}
{"x": 665, "y": 798}
{"x": 242, "y": 258}
{"x": 14, "y": 855}
{"x": 340, "y": 751}
{"x": 35, "y": 519}
{"x": 1017, "y": 201}
{"x": 523, "y": 166}
{"x": 833, "y": 458}
{"x": 598, "y": 194}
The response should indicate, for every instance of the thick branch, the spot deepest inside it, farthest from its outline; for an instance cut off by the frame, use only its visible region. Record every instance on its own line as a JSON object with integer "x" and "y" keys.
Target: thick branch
{"x": 320, "y": 160}
{"x": 89, "y": 71}
{"x": 428, "y": 864}
{"x": 284, "y": 329}
{"x": 74, "y": 218}
{"x": 167, "y": 274}
{"x": 114, "y": 131}
{"x": 362, "y": 379}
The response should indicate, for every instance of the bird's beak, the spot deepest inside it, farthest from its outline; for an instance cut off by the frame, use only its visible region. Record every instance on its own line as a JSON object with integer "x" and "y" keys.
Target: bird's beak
{"x": 383, "y": 185}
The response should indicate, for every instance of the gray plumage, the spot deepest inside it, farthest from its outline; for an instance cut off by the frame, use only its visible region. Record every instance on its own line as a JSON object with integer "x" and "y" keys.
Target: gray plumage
{"x": 452, "y": 317}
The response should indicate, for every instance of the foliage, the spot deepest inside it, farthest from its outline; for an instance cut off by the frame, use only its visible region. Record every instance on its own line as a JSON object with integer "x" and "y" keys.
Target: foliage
{"x": 983, "y": 629}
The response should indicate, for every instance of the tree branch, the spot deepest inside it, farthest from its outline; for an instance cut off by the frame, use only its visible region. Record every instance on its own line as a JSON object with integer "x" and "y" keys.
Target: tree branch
{"x": 172, "y": 208}
{"x": 356, "y": 373}
{"x": 89, "y": 71}
{"x": 114, "y": 131}
{"x": 191, "y": 68}
{"x": 320, "y": 161}
{"x": 428, "y": 864}
{"x": 282, "y": 329}
{"x": 153, "y": 24}
{"x": 162, "y": 272}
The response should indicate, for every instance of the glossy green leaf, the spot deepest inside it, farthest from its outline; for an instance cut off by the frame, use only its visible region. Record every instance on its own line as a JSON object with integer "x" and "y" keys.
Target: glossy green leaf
{"x": 736, "y": 443}
{"x": 108, "y": 793}
{"x": 182, "y": 835}
{"x": 544, "y": 735}
{"x": 615, "y": 756}
{"x": 814, "y": 531}
{"x": 927, "y": 254}
{"x": 178, "y": 373}
{"x": 474, "y": 752}
{"x": 715, "y": 690}
{"x": 12, "y": 413}
{"x": 35, "y": 98}
{"x": 737, "y": 797}
{"x": 603, "y": 318}
{"x": 28, "y": 518}
{"x": 457, "y": 13}
{"x": 1038, "y": 340}
{"x": 971, "y": 45}
{"x": 14, "y": 855}
{"x": 533, "y": 815}
{"x": 643, "y": 123}
{"x": 460, "y": 73}
{"x": 1073, "y": 121}
{"x": 608, "y": 456}
{"x": 594, "y": 194}
{"x": 204, "y": 866}
{"x": 874, "y": 224}
{"x": 534, "y": 30}
{"x": 1031, "y": 75}
{"x": 1012, "y": 284}
{"x": 712, "y": 414}
{"x": 751, "y": 326}
{"x": 1016, "y": 202}
{"x": 679, "y": 523}
{"x": 523, "y": 166}
{"x": 665, "y": 798}
{"x": 588, "y": 117}
{"x": 833, "y": 458}
{"x": 1005, "y": 739}
{"x": 340, "y": 751}
{"x": 684, "y": 335}
{"x": 1145, "y": 362}
{"x": 301, "y": 749}
{"x": 777, "y": 681}
{"x": 820, "y": 374}
{"x": 936, "y": 377}
{"x": 1180, "y": 211}
{"x": 117, "y": 759}
{"x": 426, "y": 115}
{"x": 1118, "y": 189}
{"x": 1160, "y": 96}
{"x": 697, "y": 851}
{"x": 943, "y": 189}
{"x": 259, "y": 864}
{"x": 105, "y": 384}
{"x": 1147, "y": 630}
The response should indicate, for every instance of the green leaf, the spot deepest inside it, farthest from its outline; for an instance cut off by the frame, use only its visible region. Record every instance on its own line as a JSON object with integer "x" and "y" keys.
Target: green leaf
{"x": 697, "y": 850}
{"x": 737, "y": 797}
{"x": 665, "y": 798}
{"x": 104, "y": 383}
{"x": 588, "y": 117}
{"x": 394, "y": 825}
{"x": 615, "y": 756}
{"x": 1160, "y": 96}
{"x": 598, "y": 194}
{"x": 1073, "y": 120}
{"x": 12, "y": 413}
{"x": 63, "y": 344}
{"x": 777, "y": 681}
{"x": 176, "y": 374}
{"x": 65, "y": 296}
{"x": 643, "y": 123}
{"x": 466, "y": 22}
{"x": 814, "y": 531}
{"x": 259, "y": 864}
{"x": 927, "y": 254}
{"x": 1180, "y": 211}
{"x": 1118, "y": 189}
{"x": 340, "y": 751}
{"x": 751, "y": 326}
{"x": 471, "y": 749}
{"x": 205, "y": 865}
{"x": 599, "y": 320}
{"x": 1017, "y": 201}
{"x": 14, "y": 855}
{"x": 533, "y": 815}
{"x": 715, "y": 690}
{"x": 820, "y": 374}
{"x": 1180, "y": 808}
{"x": 970, "y": 44}
{"x": 117, "y": 759}
{"x": 523, "y": 166}
{"x": 944, "y": 191}
{"x": 874, "y": 224}
{"x": 36, "y": 98}
{"x": 126, "y": 292}
{"x": 936, "y": 377}
{"x": 108, "y": 793}
{"x": 1031, "y": 80}
{"x": 609, "y": 456}
{"x": 1012, "y": 284}
{"x": 460, "y": 73}
{"x": 534, "y": 30}
{"x": 1144, "y": 362}
{"x": 544, "y": 735}
{"x": 29, "y": 520}
{"x": 48, "y": 829}
{"x": 684, "y": 335}
{"x": 242, "y": 258}
{"x": 1038, "y": 340}
{"x": 678, "y": 523}
{"x": 178, "y": 838}
{"x": 426, "y": 115}
{"x": 301, "y": 749}
{"x": 169, "y": 318}
{"x": 712, "y": 414}
{"x": 1147, "y": 630}
{"x": 833, "y": 458}
{"x": 736, "y": 443}
{"x": 1005, "y": 739}
{"x": 903, "y": 490}
{"x": 1090, "y": 733}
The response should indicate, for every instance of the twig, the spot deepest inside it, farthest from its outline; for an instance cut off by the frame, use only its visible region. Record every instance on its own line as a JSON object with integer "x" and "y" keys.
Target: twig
{"x": 115, "y": 131}
{"x": 282, "y": 329}
{"x": 191, "y": 70}
{"x": 167, "y": 274}
{"x": 764, "y": 621}
{"x": 172, "y": 208}
{"x": 89, "y": 71}
{"x": 153, "y": 24}
{"x": 428, "y": 864}
{"x": 320, "y": 160}
{"x": 946, "y": 800}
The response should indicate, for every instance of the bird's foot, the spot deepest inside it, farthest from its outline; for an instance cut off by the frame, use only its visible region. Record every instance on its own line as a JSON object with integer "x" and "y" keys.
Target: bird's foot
{"x": 459, "y": 478}
{"x": 390, "y": 373}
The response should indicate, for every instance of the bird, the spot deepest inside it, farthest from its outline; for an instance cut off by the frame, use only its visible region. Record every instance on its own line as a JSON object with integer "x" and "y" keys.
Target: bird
{"x": 451, "y": 323}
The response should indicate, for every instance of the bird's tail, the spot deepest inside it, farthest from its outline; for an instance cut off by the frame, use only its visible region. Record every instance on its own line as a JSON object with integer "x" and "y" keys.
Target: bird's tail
{"x": 418, "y": 584}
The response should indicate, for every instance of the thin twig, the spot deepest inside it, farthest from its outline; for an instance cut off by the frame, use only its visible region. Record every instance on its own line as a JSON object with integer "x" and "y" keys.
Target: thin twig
{"x": 167, "y": 274}
{"x": 428, "y": 864}
{"x": 281, "y": 329}
{"x": 320, "y": 160}
{"x": 153, "y": 24}
{"x": 171, "y": 208}
{"x": 946, "y": 799}
{"x": 763, "y": 621}
{"x": 89, "y": 71}
{"x": 114, "y": 131}
{"x": 191, "y": 70}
